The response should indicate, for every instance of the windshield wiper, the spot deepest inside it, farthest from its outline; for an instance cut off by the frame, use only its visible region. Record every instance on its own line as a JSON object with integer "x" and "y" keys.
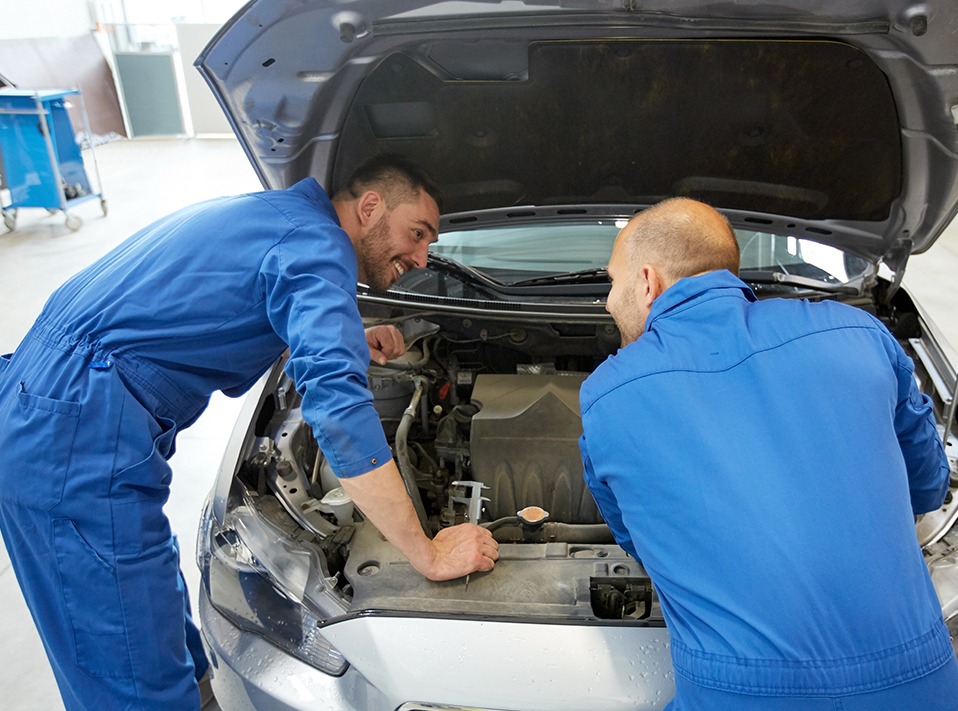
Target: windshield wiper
{"x": 596, "y": 275}
{"x": 464, "y": 273}
{"x": 767, "y": 276}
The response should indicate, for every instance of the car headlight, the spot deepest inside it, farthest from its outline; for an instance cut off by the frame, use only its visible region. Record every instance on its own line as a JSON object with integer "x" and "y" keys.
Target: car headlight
{"x": 264, "y": 583}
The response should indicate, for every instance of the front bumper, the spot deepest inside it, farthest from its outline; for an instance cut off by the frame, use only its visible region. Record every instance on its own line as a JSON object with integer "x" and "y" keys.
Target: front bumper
{"x": 249, "y": 673}
{"x": 413, "y": 663}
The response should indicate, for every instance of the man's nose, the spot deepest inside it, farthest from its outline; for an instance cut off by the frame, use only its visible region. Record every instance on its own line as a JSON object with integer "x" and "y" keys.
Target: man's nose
{"x": 420, "y": 256}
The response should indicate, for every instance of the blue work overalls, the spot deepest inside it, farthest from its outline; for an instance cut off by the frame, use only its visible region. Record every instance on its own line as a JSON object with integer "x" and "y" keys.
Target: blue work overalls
{"x": 124, "y": 355}
{"x": 764, "y": 460}
{"x": 82, "y": 517}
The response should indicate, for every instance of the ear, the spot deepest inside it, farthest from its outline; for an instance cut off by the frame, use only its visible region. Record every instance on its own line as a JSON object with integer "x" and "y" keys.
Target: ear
{"x": 652, "y": 286}
{"x": 369, "y": 207}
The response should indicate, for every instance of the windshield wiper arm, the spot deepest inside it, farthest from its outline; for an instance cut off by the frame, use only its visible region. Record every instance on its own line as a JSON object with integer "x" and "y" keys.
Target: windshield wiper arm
{"x": 463, "y": 272}
{"x": 756, "y": 276}
{"x": 759, "y": 276}
{"x": 595, "y": 275}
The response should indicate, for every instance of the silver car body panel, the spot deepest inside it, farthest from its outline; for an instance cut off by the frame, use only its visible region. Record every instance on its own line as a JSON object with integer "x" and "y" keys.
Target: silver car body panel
{"x": 507, "y": 665}
{"x": 448, "y": 663}
{"x": 250, "y": 674}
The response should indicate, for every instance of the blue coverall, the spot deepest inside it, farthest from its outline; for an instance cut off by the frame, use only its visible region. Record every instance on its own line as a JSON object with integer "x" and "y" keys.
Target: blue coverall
{"x": 763, "y": 460}
{"x": 125, "y": 354}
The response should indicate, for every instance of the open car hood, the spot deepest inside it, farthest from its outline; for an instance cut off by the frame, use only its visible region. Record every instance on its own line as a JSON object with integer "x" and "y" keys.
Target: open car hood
{"x": 839, "y": 116}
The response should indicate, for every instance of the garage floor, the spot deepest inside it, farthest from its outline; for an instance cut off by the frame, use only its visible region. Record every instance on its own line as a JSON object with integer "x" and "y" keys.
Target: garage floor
{"x": 143, "y": 180}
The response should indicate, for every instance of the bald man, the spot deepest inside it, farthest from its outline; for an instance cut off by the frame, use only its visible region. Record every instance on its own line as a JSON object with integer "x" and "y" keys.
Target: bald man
{"x": 764, "y": 461}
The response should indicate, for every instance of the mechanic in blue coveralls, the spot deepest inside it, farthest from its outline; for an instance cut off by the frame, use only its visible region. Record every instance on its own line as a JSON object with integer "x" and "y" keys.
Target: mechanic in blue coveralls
{"x": 764, "y": 460}
{"x": 126, "y": 354}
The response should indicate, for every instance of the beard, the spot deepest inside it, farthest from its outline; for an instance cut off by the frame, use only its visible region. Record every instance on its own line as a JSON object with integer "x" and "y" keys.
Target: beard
{"x": 375, "y": 257}
{"x": 628, "y": 333}
{"x": 629, "y": 320}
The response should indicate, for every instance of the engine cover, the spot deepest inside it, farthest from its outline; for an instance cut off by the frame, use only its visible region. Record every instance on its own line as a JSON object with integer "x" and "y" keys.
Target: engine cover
{"x": 524, "y": 445}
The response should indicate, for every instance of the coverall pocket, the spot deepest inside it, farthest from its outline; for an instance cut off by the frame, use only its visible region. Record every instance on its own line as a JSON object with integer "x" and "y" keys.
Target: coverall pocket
{"x": 91, "y": 594}
{"x": 150, "y": 477}
{"x": 47, "y": 428}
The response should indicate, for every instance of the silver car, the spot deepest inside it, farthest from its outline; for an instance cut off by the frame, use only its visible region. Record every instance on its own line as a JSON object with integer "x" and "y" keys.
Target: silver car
{"x": 826, "y": 132}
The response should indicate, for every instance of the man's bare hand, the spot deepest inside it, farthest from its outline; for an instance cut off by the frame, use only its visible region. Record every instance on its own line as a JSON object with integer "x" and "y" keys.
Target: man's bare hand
{"x": 460, "y": 550}
{"x": 456, "y": 551}
{"x": 385, "y": 343}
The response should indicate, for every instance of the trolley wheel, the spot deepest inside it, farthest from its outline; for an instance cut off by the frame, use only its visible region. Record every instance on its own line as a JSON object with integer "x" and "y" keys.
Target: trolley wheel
{"x": 103, "y": 206}
{"x": 74, "y": 222}
{"x": 10, "y": 220}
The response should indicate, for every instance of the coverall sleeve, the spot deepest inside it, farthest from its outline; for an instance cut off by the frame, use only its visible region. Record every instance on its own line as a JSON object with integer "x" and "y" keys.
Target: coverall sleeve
{"x": 605, "y": 500}
{"x": 309, "y": 279}
{"x": 925, "y": 458}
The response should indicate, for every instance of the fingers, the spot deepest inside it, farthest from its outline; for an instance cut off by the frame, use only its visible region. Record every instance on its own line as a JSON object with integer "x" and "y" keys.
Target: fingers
{"x": 377, "y": 356}
{"x": 393, "y": 343}
{"x": 488, "y": 546}
{"x": 488, "y": 558}
{"x": 488, "y": 549}
{"x": 461, "y": 550}
{"x": 385, "y": 342}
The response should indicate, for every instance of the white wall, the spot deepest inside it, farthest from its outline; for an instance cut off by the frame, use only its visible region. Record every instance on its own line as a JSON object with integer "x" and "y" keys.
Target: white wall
{"x": 205, "y": 114}
{"x": 156, "y": 12}
{"x": 25, "y": 19}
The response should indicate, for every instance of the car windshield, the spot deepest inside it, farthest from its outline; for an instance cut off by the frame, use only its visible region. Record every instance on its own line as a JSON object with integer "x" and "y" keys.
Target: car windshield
{"x": 514, "y": 254}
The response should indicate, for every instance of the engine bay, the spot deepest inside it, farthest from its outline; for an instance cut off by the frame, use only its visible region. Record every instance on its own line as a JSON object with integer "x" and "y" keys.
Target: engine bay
{"x": 479, "y": 436}
{"x": 484, "y": 422}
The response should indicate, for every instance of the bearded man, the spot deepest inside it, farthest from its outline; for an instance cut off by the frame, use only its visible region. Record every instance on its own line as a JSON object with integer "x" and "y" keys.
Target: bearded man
{"x": 127, "y": 353}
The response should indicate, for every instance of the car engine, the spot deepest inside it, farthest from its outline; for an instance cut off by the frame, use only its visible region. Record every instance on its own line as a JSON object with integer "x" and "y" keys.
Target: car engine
{"x": 499, "y": 449}
{"x": 484, "y": 423}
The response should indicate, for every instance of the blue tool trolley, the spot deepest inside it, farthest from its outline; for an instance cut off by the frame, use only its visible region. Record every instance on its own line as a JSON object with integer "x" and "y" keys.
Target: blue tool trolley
{"x": 41, "y": 159}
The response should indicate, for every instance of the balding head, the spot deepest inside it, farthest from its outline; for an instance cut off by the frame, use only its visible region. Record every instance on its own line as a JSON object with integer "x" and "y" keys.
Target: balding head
{"x": 681, "y": 237}
{"x": 674, "y": 239}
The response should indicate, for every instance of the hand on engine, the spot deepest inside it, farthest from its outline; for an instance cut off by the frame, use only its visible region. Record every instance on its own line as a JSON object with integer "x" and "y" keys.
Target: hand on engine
{"x": 385, "y": 343}
{"x": 456, "y": 551}
{"x": 460, "y": 550}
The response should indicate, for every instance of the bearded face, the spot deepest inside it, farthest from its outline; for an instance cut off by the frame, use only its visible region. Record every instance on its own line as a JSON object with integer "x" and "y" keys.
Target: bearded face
{"x": 378, "y": 265}
{"x": 397, "y": 242}
{"x": 623, "y": 302}
{"x": 628, "y": 316}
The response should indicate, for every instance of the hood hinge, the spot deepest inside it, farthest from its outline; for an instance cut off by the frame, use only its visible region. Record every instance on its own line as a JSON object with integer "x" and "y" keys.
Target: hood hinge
{"x": 895, "y": 259}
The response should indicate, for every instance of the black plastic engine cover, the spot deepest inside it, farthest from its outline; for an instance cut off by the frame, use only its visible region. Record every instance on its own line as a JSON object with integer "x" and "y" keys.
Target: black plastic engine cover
{"x": 525, "y": 446}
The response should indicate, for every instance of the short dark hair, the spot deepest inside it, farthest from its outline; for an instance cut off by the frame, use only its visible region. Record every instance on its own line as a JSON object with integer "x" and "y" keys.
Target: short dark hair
{"x": 399, "y": 179}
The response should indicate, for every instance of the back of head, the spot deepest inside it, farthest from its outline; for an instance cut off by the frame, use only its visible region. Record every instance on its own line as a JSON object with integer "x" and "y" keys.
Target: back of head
{"x": 681, "y": 237}
{"x": 395, "y": 177}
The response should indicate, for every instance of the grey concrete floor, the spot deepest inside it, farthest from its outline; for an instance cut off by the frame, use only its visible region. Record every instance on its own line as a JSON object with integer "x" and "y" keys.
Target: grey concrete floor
{"x": 143, "y": 180}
